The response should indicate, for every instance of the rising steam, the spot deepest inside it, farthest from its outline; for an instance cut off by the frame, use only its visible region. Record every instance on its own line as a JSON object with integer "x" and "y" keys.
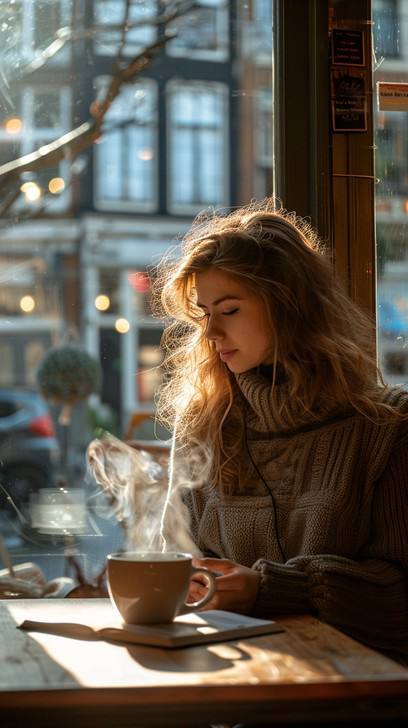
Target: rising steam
{"x": 145, "y": 497}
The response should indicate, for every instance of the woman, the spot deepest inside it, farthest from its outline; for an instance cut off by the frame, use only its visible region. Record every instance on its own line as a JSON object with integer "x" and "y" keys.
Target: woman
{"x": 271, "y": 368}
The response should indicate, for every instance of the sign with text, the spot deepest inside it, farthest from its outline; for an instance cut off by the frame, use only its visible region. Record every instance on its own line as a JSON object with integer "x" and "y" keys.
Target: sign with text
{"x": 392, "y": 96}
{"x": 349, "y": 100}
{"x": 347, "y": 47}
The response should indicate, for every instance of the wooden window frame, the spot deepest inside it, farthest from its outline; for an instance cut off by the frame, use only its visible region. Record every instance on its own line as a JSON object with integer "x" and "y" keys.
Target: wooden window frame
{"x": 324, "y": 175}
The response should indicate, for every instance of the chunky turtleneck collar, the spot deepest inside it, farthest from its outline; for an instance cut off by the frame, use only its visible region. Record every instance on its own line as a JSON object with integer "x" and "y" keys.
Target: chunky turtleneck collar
{"x": 272, "y": 409}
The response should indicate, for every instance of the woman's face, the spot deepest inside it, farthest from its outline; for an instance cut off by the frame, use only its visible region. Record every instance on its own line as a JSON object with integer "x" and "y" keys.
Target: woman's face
{"x": 236, "y": 320}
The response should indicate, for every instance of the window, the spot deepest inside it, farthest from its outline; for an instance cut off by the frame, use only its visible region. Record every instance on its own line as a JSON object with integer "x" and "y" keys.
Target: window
{"x": 37, "y": 117}
{"x": 28, "y": 27}
{"x": 198, "y": 143}
{"x": 256, "y": 30}
{"x": 7, "y": 369}
{"x": 75, "y": 264}
{"x": 203, "y": 33}
{"x": 391, "y": 200}
{"x": 126, "y": 155}
{"x": 149, "y": 374}
{"x": 139, "y": 293}
{"x": 27, "y": 288}
{"x": 391, "y": 153}
{"x": 387, "y": 29}
{"x": 33, "y": 354}
{"x": 110, "y": 14}
{"x": 263, "y": 143}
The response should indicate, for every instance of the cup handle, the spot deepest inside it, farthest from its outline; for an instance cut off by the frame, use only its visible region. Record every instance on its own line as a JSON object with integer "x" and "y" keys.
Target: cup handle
{"x": 210, "y": 579}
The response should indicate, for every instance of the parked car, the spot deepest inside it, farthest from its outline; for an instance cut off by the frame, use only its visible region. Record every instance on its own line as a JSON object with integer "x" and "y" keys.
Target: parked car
{"x": 391, "y": 321}
{"x": 29, "y": 451}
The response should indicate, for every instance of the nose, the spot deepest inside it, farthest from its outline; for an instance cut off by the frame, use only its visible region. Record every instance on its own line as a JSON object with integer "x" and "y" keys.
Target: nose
{"x": 213, "y": 331}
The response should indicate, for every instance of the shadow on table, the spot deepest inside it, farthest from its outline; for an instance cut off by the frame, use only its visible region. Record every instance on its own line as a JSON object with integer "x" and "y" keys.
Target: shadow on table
{"x": 205, "y": 658}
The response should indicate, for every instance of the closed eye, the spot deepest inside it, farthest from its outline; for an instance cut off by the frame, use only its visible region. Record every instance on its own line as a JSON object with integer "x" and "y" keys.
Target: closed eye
{"x": 229, "y": 313}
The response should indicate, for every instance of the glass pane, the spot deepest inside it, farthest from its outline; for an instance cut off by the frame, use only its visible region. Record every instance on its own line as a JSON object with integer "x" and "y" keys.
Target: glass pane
{"x": 123, "y": 153}
{"x": 126, "y": 153}
{"x": 109, "y": 17}
{"x": 150, "y": 357}
{"x": 391, "y": 141}
{"x": 47, "y": 109}
{"x": 33, "y": 354}
{"x": 198, "y": 121}
{"x": 202, "y": 33}
{"x": 46, "y": 21}
{"x": 7, "y": 366}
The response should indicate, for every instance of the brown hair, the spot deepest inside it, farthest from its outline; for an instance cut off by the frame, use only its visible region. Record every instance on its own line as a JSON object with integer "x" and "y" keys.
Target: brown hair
{"x": 322, "y": 341}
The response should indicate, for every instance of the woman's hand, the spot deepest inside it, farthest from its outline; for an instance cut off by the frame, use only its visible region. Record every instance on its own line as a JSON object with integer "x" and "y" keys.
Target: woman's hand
{"x": 236, "y": 586}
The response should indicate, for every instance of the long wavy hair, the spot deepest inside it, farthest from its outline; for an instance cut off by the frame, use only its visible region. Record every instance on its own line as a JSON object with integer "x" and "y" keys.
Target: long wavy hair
{"x": 323, "y": 344}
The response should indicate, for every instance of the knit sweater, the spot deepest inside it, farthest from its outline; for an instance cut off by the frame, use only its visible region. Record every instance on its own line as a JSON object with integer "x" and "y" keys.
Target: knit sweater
{"x": 326, "y": 523}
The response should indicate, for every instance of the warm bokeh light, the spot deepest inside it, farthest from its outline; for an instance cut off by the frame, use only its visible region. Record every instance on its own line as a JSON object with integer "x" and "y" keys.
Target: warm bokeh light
{"x": 102, "y": 302}
{"x": 139, "y": 281}
{"x": 122, "y": 325}
{"x": 31, "y": 191}
{"x": 27, "y": 304}
{"x": 13, "y": 126}
{"x": 56, "y": 185}
{"x": 145, "y": 154}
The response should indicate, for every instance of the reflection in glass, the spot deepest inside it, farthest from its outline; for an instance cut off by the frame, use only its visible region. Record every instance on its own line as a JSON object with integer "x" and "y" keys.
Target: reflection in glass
{"x": 391, "y": 142}
{"x": 81, "y": 228}
{"x": 202, "y": 33}
{"x": 110, "y": 14}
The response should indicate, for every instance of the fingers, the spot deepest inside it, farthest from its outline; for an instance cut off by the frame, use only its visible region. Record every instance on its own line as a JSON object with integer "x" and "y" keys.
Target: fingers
{"x": 236, "y": 585}
{"x": 218, "y": 565}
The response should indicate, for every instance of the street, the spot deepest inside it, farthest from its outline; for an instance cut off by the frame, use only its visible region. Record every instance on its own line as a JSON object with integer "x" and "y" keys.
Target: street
{"x": 99, "y": 536}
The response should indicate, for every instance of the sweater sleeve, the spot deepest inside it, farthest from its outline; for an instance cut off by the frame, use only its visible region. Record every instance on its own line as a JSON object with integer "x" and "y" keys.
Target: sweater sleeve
{"x": 368, "y": 597}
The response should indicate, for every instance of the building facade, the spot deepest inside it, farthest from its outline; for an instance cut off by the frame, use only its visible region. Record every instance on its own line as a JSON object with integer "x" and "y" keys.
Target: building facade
{"x": 192, "y": 131}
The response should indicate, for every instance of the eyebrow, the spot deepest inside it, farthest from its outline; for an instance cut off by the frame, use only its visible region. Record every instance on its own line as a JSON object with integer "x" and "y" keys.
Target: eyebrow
{"x": 228, "y": 297}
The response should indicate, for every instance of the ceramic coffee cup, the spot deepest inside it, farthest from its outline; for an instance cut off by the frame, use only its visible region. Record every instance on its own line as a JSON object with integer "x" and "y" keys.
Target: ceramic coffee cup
{"x": 150, "y": 587}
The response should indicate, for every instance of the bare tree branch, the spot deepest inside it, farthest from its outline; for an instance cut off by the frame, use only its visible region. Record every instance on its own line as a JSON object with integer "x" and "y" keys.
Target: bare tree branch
{"x": 67, "y": 34}
{"x": 123, "y": 33}
{"x": 71, "y": 144}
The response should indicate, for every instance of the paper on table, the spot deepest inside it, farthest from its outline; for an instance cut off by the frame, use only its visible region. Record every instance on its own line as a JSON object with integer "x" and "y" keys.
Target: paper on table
{"x": 191, "y": 629}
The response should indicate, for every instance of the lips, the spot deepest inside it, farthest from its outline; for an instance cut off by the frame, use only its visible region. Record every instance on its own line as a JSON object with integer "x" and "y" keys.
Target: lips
{"x": 226, "y": 354}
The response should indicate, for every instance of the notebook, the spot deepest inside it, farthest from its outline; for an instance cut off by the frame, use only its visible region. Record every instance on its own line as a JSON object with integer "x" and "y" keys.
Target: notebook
{"x": 191, "y": 629}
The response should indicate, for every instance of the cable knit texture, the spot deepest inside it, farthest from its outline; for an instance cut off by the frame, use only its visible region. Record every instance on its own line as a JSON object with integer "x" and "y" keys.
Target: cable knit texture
{"x": 340, "y": 489}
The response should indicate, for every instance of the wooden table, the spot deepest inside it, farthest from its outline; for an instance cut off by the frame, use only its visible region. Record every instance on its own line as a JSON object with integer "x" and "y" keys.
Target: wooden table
{"x": 308, "y": 672}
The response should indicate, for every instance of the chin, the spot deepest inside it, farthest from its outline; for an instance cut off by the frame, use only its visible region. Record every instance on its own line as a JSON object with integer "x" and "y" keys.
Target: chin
{"x": 240, "y": 369}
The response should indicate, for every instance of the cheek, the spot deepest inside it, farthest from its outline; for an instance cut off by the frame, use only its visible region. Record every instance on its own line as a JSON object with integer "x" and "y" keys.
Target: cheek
{"x": 261, "y": 334}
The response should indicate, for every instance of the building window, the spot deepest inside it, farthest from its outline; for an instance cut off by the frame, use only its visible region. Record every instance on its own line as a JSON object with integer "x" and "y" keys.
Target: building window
{"x": 37, "y": 117}
{"x": 202, "y": 33}
{"x": 150, "y": 356}
{"x": 7, "y": 369}
{"x": 391, "y": 153}
{"x": 198, "y": 144}
{"x": 256, "y": 31}
{"x": 126, "y": 155}
{"x": 28, "y": 27}
{"x": 264, "y": 128}
{"x": 263, "y": 143}
{"x": 109, "y": 16}
{"x": 387, "y": 28}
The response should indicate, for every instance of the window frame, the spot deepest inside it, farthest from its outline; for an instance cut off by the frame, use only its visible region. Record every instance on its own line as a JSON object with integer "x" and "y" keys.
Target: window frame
{"x": 176, "y": 208}
{"x": 129, "y": 49}
{"x": 126, "y": 205}
{"x": 220, "y": 54}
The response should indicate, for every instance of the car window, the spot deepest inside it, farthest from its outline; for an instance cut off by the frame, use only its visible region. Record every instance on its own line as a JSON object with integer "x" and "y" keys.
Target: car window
{"x": 7, "y": 409}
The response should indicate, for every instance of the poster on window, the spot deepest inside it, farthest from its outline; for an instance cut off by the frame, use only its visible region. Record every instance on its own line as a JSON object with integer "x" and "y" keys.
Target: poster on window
{"x": 347, "y": 47}
{"x": 349, "y": 100}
